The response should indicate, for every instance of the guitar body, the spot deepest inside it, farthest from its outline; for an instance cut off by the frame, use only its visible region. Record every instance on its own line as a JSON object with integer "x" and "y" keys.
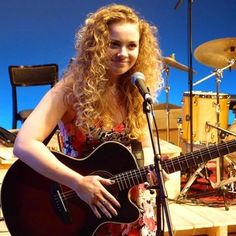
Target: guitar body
{"x": 28, "y": 199}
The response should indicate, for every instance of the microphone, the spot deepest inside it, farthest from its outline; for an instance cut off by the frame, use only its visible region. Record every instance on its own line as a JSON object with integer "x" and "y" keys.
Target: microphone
{"x": 138, "y": 79}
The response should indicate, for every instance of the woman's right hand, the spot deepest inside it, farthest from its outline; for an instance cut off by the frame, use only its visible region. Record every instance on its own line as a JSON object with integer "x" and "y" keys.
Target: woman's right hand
{"x": 92, "y": 191}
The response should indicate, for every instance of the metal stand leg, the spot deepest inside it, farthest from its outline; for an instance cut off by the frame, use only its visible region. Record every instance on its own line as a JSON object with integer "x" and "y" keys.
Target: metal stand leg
{"x": 191, "y": 180}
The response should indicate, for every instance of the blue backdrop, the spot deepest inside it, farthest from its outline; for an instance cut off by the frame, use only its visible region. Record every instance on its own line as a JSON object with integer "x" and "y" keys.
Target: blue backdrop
{"x": 42, "y": 31}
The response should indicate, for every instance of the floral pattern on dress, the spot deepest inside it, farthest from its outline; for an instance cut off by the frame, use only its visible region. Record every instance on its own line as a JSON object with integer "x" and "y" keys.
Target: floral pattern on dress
{"x": 76, "y": 144}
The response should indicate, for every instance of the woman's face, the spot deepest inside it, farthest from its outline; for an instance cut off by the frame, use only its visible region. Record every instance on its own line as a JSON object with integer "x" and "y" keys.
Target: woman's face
{"x": 123, "y": 49}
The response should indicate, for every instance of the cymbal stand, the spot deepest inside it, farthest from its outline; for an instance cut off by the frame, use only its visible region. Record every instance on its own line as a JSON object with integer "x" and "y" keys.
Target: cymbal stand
{"x": 167, "y": 90}
{"x": 231, "y": 62}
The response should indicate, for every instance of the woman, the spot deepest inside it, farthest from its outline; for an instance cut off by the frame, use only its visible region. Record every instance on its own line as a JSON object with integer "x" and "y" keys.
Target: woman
{"x": 96, "y": 102}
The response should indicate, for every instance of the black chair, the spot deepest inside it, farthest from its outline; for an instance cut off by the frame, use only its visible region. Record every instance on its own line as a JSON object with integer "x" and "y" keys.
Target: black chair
{"x": 34, "y": 75}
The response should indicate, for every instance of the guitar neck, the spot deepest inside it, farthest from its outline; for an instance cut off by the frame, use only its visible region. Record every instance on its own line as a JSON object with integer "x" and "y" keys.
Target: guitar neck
{"x": 197, "y": 157}
{"x": 128, "y": 179}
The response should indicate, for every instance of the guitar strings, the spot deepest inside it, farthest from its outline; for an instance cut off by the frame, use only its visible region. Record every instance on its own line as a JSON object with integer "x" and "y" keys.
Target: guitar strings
{"x": 176, "y": 161}
{"x": 141, "y": 173}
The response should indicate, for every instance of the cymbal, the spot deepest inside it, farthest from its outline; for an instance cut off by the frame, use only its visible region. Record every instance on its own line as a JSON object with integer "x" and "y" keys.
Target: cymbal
{"x": 171, "y": 61}
{"x": 217, "y": 53}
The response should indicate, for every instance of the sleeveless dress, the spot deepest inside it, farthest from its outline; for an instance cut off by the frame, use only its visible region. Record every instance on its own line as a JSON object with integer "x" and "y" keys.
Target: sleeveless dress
{"x": 78, "y": 145}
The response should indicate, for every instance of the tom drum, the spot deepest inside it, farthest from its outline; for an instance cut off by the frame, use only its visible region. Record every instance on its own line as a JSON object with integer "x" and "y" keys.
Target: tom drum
{"x": 204, "y": 109}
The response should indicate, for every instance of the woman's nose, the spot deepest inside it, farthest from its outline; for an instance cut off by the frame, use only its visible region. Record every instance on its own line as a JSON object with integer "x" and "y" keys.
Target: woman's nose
{"x": 123, "y": 52}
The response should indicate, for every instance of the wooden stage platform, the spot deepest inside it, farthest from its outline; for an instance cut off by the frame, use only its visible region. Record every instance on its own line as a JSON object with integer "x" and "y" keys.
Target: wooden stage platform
{"x": 192, "y": 220}
{"x": 202, "y": 220}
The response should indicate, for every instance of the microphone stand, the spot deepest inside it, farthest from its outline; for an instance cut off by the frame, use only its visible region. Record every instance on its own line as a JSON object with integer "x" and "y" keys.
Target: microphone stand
{"x": 190, "y": 73}
{"x": 190, "y": 64}
{"x": 161, "y": 194}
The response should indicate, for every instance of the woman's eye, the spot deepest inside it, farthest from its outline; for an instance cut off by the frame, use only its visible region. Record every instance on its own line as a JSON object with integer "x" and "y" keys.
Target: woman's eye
{"x": 132, "y": 45}
{"x": 114, "y": 44}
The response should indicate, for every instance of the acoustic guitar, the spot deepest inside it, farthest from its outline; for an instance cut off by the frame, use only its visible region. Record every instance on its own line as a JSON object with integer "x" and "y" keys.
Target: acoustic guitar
{"x": 36, "y": 206}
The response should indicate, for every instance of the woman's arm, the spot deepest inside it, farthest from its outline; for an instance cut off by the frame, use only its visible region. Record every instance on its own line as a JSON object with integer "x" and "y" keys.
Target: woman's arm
{"x": 30, "y": 149}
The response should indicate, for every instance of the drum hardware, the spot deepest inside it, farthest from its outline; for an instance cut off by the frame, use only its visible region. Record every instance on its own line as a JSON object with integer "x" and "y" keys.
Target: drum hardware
{"x": 224, "y": 186}
{"x": 231, "y": 159}
{"x": 231, "y": 168}
{"x": 167, "y": 90}
{"x": 223, "y": 132}
{"x": 180, "y": 130}
{"x": 170, "y": 61}
{"x": 191, "y": 180}
{"x": 231, "y": 164}
{"x": 218, "y": 73}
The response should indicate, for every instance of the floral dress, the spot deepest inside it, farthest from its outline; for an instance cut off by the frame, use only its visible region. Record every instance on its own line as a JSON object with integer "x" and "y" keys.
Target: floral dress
{"x": 78, "y": 145}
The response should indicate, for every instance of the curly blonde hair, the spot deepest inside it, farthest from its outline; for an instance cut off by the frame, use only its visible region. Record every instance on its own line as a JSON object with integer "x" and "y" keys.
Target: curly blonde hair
{"x": 87, "y": 76}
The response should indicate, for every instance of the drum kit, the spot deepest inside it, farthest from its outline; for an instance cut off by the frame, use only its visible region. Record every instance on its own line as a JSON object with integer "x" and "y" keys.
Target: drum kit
{"x": 210, "y": 110}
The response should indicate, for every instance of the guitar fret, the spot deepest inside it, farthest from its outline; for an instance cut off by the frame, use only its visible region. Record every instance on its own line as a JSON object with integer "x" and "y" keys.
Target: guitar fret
{"x": 118, "y": 182}
{"x": 184, "y": 164}
{"x": 232, "y": 147}
{"x": 129, "y": 183}
{"x": 218, "y": 151}
{"x": 202, "y": 159}
{"x": 185, "y": 156}
{"x": 173, "y": 168}
{"x": 179, "y": 163}
{"x": 125, "y": 180}
{"x": 209, "y": 152}
{"x": 132, "y": 177}
{"x": 122, "y": 174}
{"x": 215, "y": 152}
{"x": 167, "y": 167}
{"x": 199, "y": 158}
{"x": 136, "y": 178}
{"x": 227, "y": 147}
{"x": 194, "y": 159}
{"x": 141, "y": 176}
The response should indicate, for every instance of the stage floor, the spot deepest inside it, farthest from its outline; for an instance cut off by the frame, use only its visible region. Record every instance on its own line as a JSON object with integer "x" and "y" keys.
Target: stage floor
{"x": 192, "y": 220}
{"x": 202, "y": 220}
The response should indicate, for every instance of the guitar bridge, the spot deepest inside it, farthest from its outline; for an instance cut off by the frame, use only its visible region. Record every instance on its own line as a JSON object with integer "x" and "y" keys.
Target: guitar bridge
{"x": 59, "y": 204}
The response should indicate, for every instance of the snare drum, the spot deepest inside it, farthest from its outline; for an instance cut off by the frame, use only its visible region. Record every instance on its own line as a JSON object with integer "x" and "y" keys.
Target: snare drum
{"x": 204, "y": 110}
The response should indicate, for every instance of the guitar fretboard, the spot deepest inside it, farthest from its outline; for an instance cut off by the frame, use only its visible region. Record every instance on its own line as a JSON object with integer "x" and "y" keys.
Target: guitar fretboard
{"x": 194, "y": 158}
{"x": 128, "y": 179}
